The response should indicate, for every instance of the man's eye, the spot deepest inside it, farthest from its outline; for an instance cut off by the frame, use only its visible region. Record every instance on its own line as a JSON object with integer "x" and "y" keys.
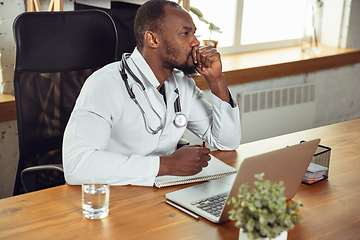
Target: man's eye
{"x": 185, "y": 33}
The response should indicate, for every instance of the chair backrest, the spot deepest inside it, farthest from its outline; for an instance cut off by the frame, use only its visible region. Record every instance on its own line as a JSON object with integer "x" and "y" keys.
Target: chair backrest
{"x": 55, "y": 53}
{"x": 123, "y": 14}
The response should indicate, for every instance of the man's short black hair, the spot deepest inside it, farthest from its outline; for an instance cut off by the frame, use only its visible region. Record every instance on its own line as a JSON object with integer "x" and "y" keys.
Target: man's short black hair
{"x": 150, "y": 17}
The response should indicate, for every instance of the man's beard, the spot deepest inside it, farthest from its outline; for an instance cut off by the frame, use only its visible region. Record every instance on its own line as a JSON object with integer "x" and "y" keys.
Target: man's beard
{"x": 186, "y": 68}
{"x": 189, "y": 71}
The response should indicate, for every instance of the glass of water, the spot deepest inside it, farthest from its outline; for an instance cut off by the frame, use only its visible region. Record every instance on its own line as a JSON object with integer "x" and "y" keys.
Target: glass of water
{"x": 95, "y": 198}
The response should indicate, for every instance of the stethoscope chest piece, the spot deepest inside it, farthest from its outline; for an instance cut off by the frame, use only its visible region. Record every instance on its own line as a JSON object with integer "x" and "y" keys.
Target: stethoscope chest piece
{"x": 180, "y": 120}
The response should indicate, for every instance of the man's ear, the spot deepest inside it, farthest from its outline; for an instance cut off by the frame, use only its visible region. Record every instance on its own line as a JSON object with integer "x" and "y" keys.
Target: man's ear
{"x": 151, "y": 39}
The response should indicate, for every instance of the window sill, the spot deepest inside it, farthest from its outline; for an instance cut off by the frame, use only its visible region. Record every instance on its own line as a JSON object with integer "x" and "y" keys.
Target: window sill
{"x": 250, "y": 67}
{"x": 260, "y": 65}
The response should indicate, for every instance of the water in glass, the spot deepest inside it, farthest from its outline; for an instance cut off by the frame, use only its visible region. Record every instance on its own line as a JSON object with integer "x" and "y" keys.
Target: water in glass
{"x": 95, "y": 200}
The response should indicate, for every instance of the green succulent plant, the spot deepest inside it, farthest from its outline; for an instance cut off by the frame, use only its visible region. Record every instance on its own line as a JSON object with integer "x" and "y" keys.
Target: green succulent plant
{"x": 263, "y": 211}
{"x": 212, "y": 27}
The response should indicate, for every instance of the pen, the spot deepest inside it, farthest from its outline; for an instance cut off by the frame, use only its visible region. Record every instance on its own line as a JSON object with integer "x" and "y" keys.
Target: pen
{"x": 203, "y": 144}
{"x": 183, "y": 209}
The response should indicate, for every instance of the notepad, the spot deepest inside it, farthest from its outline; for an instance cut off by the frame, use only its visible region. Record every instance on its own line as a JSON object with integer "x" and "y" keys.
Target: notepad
{"x": 314, "y": 173}
{"x": 216, "y": 169}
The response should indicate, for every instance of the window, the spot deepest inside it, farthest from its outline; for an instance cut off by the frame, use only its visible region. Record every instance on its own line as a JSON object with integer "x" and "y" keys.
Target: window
{"x": 249, "y": 25}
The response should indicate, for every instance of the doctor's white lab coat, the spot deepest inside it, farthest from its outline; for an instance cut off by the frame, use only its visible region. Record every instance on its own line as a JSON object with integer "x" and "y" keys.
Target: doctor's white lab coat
{"x": 106, "y": 136}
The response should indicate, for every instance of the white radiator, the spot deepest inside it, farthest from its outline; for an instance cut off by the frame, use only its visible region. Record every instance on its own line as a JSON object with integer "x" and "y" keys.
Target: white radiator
{"x": 273, "y": 112}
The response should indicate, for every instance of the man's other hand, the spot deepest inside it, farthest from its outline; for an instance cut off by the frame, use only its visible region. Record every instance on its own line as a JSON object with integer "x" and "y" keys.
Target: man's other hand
{"x": 188, "y": 160}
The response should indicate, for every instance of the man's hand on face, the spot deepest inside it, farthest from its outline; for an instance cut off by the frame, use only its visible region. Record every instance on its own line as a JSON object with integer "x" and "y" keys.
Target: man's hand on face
{"x": 188, "y": 160}
{"x": 208, "y": 62}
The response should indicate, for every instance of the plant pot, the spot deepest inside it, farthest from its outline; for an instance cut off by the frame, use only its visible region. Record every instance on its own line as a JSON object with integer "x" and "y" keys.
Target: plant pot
{"x": 243, "y": 236}
{"x": 212, "y": 43}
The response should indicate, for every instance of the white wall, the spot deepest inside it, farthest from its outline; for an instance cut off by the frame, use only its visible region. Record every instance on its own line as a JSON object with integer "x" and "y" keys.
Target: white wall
{"x": 9, "y": 157}
{"x": 9, "y": 9}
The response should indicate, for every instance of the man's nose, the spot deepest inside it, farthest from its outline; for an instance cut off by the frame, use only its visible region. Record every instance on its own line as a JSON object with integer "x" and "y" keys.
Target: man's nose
{"x": 195, "y": 42}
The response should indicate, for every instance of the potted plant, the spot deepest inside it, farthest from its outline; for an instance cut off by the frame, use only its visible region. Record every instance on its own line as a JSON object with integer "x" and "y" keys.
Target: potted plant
{"x": 212, "y": 27}
{"x": 263, "y": 213}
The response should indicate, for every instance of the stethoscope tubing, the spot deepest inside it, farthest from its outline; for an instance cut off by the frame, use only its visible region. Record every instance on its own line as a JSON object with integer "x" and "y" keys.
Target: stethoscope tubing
{"x": 180, "y": 118}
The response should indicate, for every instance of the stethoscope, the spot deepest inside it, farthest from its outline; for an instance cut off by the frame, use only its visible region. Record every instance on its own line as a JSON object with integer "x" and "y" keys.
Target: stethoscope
{"x": 180, "y": 118}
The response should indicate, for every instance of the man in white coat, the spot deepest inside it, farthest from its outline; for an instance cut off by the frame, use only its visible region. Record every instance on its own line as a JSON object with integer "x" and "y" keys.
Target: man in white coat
{"x": 132, "y": 140}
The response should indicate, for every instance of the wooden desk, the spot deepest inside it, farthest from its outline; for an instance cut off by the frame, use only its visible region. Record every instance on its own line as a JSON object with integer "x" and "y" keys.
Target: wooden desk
{"x": 331, "y": 207}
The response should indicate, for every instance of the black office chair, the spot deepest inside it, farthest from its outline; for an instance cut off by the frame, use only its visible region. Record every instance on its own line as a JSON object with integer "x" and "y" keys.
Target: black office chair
{"x": 55, "y": 53}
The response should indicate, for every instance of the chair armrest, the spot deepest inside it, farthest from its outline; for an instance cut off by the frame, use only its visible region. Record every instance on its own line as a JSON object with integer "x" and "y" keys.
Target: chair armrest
{"x": 28, "y": 175}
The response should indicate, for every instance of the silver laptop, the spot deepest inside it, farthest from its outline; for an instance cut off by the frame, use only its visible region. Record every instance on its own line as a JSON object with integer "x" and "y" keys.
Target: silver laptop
{"x": 209, "y": 199}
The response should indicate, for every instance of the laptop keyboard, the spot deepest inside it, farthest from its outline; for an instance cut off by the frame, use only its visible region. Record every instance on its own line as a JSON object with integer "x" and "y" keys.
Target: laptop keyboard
{"x": 212, "y": 205}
